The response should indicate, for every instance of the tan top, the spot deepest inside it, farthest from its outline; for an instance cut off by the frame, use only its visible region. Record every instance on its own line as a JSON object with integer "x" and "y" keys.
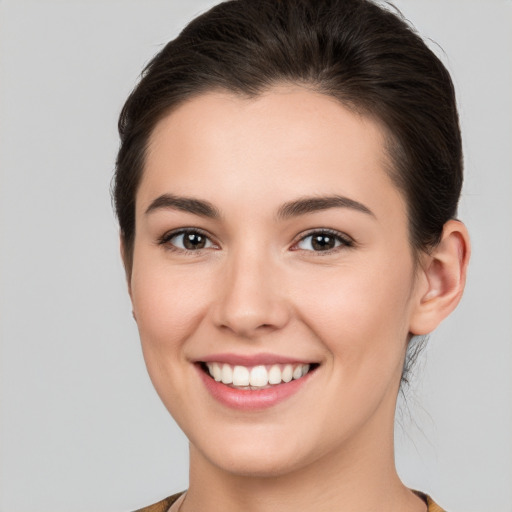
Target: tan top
{"x": 164, "y": 505}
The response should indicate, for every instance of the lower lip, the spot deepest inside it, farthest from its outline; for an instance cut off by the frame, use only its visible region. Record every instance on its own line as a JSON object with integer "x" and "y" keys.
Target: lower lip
{"x": 251, "y": 400}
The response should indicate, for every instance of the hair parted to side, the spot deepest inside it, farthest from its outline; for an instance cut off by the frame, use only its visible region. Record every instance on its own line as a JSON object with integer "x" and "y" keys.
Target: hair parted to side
{"x": 356, "y": 51}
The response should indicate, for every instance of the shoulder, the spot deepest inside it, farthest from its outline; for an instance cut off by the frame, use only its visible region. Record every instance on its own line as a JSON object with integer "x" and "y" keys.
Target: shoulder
{"x": 165, "y": 504}
{"x": 433, "y": 507}
{"x": 161, "y": 506}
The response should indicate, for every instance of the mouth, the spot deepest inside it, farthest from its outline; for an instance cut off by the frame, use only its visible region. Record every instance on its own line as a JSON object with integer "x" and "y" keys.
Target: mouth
{"x": 257, "y": 377}
{"x": 254, "y": 382}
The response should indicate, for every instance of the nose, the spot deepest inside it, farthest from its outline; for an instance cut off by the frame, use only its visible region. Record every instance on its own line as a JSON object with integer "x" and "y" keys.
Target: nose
{"x": 252, "y": 298}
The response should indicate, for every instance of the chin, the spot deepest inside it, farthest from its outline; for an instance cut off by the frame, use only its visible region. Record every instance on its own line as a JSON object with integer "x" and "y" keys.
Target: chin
{"x": 253, "y": 463}
{"x": 260, "y": 455}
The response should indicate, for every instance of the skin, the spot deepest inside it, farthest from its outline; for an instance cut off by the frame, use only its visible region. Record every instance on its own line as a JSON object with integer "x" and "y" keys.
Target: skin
{"x": 258, "y": 286}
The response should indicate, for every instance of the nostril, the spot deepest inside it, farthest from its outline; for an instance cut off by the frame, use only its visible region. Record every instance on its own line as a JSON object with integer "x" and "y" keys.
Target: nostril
{"x": 250, "y": 308}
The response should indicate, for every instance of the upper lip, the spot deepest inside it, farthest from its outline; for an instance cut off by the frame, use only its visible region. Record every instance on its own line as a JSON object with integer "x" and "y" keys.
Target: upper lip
{"x": 251, "y": 360}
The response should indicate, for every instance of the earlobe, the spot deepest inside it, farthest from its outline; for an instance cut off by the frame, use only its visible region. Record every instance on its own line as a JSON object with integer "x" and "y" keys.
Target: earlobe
{"x": 442, "y": 279}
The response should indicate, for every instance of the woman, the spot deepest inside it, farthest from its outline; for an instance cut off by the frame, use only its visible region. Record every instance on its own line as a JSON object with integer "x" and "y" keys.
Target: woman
{"x": 286, "y": 187}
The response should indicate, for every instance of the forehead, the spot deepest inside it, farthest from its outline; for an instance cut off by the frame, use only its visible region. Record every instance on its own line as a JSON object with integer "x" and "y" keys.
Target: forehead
{"x": 288, "y": 140}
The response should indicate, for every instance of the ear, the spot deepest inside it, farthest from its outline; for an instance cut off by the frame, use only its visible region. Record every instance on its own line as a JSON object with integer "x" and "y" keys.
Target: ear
{"x": 441, "y": 279}
{"x": 126, "y": 263}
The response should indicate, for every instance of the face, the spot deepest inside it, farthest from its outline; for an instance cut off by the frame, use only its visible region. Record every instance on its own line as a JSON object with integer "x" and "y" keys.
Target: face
{"x": 273, "y": 279}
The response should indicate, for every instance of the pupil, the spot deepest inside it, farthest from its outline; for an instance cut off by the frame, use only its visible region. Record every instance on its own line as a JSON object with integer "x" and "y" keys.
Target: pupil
{"x": 323, "y": 242}
{"x": 193, "y": 241}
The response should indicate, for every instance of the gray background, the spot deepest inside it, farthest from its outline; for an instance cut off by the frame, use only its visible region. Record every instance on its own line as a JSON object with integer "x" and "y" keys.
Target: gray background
{"x": 81, "y": 428}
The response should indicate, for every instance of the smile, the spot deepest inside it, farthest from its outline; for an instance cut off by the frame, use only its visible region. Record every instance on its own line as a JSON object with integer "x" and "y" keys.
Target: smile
{"x": 253, "y": 383}
{"x": 256, "y": 377}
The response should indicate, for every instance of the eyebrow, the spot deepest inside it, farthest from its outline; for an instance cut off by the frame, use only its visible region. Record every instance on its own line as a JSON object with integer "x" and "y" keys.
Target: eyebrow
{"x": 295, "y": 208}
{"x": 185, "y": 204}
{"x": 306, "y": 205}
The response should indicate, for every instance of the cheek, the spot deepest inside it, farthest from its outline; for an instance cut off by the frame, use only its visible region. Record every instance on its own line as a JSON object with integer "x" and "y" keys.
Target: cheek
{"x": 360, "y": 313}
{"x": 169, "y": 303}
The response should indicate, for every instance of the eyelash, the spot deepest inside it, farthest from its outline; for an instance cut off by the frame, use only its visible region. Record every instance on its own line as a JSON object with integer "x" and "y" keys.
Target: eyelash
{"x": 167, "y": 237}
{"x": 344, "y": 240}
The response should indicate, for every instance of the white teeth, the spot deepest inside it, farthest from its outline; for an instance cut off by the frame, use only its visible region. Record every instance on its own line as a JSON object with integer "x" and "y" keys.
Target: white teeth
{"x": 287, "y": 373}
{"x": 258, "y": 376}
{"x": 227, "y": 374}
{"x": 216, "y": 373}
{"x": 274, "y": 375}
{"x": 240, "y": 376}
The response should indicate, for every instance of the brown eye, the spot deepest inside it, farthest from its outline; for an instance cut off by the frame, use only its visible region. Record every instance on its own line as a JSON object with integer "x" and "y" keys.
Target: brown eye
{"x": 193, "y": 241}
{"x": 188, "y": 240}
{"x": 323, "y": 241}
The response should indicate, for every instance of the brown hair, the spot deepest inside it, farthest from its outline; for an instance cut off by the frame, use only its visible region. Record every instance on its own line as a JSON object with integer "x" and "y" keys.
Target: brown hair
{"x": 363, "y": 54}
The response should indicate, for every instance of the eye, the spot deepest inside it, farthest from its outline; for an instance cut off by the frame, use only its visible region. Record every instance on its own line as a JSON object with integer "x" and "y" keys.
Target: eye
{"x": 323, "y": 241}
{"x": 186, "y": 240}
